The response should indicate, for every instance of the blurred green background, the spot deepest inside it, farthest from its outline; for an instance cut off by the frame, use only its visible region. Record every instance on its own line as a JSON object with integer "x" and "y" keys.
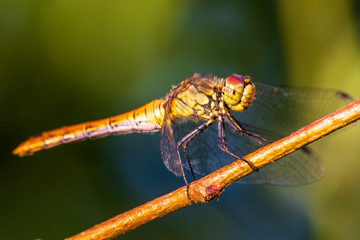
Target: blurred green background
{"x": 65, "y": 62}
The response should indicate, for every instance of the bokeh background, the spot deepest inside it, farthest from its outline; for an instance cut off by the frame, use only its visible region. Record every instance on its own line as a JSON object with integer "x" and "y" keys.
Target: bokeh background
{"x": 65, "y": 62}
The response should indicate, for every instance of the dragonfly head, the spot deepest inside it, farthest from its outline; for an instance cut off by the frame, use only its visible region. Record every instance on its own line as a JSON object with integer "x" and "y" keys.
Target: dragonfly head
{"x": 238, "y": 92}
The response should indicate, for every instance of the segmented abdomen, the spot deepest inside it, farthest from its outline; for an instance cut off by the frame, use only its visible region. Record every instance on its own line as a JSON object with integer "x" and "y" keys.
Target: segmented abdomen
{"x": 147, "y": 118}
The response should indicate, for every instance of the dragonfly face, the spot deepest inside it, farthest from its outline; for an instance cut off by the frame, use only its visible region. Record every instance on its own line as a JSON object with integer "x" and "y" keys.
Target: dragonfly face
{"x": 238, "y": 92}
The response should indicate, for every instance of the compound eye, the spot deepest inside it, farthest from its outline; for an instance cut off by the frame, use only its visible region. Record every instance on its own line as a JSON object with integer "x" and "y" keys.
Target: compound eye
{"x": 234, "y": 81}
{"x": 233, "y": 89}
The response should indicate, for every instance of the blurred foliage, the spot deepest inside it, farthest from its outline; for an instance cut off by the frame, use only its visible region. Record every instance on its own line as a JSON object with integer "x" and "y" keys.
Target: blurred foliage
{"x": 65, "y": 62}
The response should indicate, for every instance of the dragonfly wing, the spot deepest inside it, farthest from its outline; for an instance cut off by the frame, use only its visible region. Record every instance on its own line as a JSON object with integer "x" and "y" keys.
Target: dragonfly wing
{"x": 298, "y": 168}
{"x": 283, "y": 110}
{"x": 168, "y": 149}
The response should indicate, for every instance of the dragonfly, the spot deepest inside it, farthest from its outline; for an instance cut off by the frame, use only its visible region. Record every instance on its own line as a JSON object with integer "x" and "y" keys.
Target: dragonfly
{"x": 207, "y": 122}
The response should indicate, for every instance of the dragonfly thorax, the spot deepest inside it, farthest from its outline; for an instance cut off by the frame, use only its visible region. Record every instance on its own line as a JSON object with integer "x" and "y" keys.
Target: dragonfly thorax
{"x": 238, "y": 92}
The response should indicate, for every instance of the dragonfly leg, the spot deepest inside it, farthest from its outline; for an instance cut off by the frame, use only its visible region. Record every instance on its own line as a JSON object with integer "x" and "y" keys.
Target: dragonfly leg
{"x": 223, "y": 144}
{"x": 184, "y": 142}
{"x": 237, "y": 127}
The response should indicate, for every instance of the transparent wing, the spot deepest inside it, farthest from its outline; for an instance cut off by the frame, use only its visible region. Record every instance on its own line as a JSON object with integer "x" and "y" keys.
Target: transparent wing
{"x": 285, "y": 109}
{"x": 275, "y": 113}
{"x": 168, "y": 148}
{"x": 298, "y": 168}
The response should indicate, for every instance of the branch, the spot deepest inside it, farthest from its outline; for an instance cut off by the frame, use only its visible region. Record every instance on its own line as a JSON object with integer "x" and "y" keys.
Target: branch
{"x": 212, "y": 185}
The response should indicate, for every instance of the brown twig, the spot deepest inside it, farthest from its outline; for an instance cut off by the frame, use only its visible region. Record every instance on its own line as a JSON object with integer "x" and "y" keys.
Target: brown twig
{"x": 212, "y": 185}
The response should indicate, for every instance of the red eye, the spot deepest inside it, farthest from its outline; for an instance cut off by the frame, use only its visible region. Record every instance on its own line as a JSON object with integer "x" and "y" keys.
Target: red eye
{"x": 235, "y": 80}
